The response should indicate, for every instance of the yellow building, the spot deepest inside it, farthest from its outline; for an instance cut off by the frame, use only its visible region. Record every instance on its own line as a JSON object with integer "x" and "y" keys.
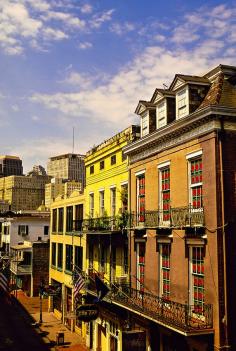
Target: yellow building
{"x": 106, "y": 196}
{"x": 23, "y": 192}
{"x": 67, "y": 251}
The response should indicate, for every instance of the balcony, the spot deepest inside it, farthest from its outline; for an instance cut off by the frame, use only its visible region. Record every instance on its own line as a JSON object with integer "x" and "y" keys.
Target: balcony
{"x": 20, "y": 269}
{"x": 114, "y": 223}
{"x": 178, "y": 217}
{"x": 185, "y": 319}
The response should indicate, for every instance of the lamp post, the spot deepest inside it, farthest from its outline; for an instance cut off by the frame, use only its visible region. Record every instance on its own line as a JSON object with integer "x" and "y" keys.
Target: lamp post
{"x": 41, "y": 290}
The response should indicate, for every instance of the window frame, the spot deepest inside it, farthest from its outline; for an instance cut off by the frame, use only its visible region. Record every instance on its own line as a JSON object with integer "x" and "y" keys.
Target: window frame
{"x": 113, "y": 201}
{"x": 91, "y": 205}
{"x": 113, "y": 160}
{"x": 140, "y": 200}
{"x": 145, "y": 124}
{"x": 164, "y": 194}
{"x": 69, "y": 256}
{"x": 182, "y": 103}
{"x": 161, "y": 109}
{"x": 101, "y": 202}
{"x": 60, "y": 255}
{"x": 54, "y": 254}
{"x": 198, "y": 186}
{"x": 196, "y": 278}
{"x": 91, "y": 169}
{"x": 164, "y": 271}
{"x": 102, "y": 165}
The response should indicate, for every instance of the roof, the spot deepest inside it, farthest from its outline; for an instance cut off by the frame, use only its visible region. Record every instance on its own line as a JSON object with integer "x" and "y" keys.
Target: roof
{"x": 162, "y": 92}
{"x": 143, "y": 103}
{"x": 222, "y": 92}
{"x": 10, "y": 157}
{"x": 69, "y": 155}
{"x": 189, "y": 78}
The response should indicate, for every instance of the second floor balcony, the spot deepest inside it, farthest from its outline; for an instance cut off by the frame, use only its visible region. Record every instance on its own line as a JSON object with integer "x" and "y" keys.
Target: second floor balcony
{"x": 106, "y": 223}
{"x": 178, "y": 217}
{"x": 20, "y": 269}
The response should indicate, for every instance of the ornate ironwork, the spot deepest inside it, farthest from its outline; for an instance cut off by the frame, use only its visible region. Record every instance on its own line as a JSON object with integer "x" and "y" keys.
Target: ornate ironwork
{"x": 182, "y": 316}
{"x": 179, "y": 217}
{"x": 105, "y": 223}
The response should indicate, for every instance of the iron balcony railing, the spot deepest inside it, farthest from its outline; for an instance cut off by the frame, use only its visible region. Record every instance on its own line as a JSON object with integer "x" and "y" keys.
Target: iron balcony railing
{"x": 105, "y": 223}
{"x": 183, "y": 317}
{"x": 178, "y": 217}
{"x": 19, "y": 269}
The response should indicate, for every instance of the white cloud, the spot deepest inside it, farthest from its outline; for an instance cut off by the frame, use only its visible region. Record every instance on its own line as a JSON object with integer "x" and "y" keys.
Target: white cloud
{"x": 35, "y": 118}
{"x": 98, "y": 19}
{"x": 56, "y": 34}
{"x": 122, "y": 28}
{"x": 36, "y": 22}
{"x": 86, "y": 8}
{"x": 15, "y": 108}
{"x": 85, "y": 45}
{"x": 159, "y": 37}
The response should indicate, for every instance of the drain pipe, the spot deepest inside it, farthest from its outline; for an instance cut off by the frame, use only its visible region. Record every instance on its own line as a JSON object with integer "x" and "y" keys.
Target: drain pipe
{"x": 225, "y": 319}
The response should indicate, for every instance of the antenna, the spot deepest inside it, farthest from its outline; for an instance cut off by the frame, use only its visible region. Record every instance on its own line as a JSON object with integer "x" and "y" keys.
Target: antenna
{"x": 165, "y": 86}
{"x": 73, "y": 143}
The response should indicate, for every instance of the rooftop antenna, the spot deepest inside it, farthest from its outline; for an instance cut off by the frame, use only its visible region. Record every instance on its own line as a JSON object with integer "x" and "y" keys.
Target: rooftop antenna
{"x": 73, "y": 144}
{"x": 165, "y": 86}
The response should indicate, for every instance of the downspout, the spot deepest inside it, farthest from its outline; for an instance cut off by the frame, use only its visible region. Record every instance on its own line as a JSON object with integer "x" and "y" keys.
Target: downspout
{"x": 225, "y": 319}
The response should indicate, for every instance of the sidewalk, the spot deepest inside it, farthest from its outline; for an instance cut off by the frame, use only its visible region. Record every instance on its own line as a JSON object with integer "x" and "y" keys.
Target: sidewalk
{"x": 50, "y": 326}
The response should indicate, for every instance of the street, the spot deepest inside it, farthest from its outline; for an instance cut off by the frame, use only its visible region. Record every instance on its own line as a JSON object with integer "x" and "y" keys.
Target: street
{"x": 16, "y": 331}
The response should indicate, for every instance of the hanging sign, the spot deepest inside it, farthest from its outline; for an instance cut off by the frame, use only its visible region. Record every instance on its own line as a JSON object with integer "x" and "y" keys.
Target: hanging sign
{"x": 87, "y": 312}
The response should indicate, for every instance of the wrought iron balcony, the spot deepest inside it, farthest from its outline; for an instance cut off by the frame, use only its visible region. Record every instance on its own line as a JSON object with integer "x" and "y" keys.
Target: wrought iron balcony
{"x": 105, "y": 223}
{"x": 183, "y": 317}
{"x": 179, "y": 217}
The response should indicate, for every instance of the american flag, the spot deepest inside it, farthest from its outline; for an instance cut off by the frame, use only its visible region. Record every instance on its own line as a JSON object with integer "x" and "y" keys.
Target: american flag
{"x": 3, "y": 282}
{"x": 79, "y": 284}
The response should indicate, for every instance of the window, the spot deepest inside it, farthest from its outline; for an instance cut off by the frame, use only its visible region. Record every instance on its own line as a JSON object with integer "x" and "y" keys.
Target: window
{"x": 113, "y": 160}
{"x": 53, "y": 257}
{"x": 69, "y": 218}
{"x": 79, "y": 257}
{"x": 197, "y": 278}
{"x": 102, "y": 267}
{"x": 60, "y": 219}
{"x": 101, "y": 203}
{"x": 165, "y": 271}
{"x": 113, "y": 201}
{"x": 161, "y": 115}
{"x": 165, "y": 193}
{"x": 140, "y": 266}
{"x": 181, "y": 103}
{"x": 91, "y": 205}
{"x": 92, "y": 169}
{"x": 102, "y": 165}
{"x": 196, "y": 198}
{"x": 124, "y": 197}
{"x": 144, "y": 124}
{"x": 141, "y": 198}
{"x": 79, "y": 212}
{"x": 126, "y": 259}
{"x": 59, "y": 255}
{"x": 46, "y": 230}
{"x": 69, "y": 258}
{"x": 54, "y": 220}
{"x": 23, "y": 230}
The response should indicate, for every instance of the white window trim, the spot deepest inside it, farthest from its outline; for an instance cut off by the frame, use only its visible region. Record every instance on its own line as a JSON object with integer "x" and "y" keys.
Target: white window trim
{"x": 191, "y": 157}
{"x": 124, "y": 182}
{"x": 139, "y": 173}
{"x": 191, "y": 290}
{"x": 161, "y": 167}
{"x": 111, "y": 200}
{"x": 158, "y": 111}
{"x": 163, "y": 164}
{"x": 194, "y": 154}
{"x": 102, "y": 191}
{"x": 160, "y": 270}
{"x": 145, "y": 115}
{"x": 187, "y": 102}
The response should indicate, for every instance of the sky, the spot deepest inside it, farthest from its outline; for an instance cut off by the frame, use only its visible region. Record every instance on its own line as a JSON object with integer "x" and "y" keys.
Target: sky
{"x": 84, "y": 65}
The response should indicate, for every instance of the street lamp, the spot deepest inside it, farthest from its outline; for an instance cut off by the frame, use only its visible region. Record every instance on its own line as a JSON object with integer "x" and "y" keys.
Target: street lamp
{"x": 41, "y": 291}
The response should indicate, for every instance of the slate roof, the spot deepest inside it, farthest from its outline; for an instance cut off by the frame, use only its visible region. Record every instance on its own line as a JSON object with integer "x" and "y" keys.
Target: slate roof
{"x": 221, "y": 92}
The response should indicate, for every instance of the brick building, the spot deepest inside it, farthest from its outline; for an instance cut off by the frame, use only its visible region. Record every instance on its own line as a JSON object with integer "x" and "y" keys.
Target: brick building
{"x": 182, "y": 199}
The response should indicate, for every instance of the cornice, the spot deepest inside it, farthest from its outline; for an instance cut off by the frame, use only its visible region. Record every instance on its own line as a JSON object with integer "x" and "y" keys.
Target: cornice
{"x": 196, "y": 124}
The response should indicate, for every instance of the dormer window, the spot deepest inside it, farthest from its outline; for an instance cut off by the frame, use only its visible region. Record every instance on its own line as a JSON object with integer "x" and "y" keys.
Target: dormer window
{"x": 182, "y": 108}
{"x": 145, "y": 123}
{"x": 161, "y": 114}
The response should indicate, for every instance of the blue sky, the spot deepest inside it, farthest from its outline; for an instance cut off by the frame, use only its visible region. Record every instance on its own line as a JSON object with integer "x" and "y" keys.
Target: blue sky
{"x": 86, "y": 64}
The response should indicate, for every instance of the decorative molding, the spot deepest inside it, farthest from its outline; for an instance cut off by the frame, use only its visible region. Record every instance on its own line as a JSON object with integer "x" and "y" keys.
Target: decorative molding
{"x": 164, "y": 143}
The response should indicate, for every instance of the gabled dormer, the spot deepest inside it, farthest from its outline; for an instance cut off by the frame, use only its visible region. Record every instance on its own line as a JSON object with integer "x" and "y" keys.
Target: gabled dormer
{"x": 147, "y": 112}
{"x": 190, "y": 92}
{"x": 165, "y": 106}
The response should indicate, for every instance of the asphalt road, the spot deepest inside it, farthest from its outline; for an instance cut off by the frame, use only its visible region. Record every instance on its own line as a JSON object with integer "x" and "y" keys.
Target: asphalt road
{"x": 16, "y": 331}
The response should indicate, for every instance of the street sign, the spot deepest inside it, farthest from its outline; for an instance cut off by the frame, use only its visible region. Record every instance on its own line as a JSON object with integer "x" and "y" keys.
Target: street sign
{"x": 87, "y": 312}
